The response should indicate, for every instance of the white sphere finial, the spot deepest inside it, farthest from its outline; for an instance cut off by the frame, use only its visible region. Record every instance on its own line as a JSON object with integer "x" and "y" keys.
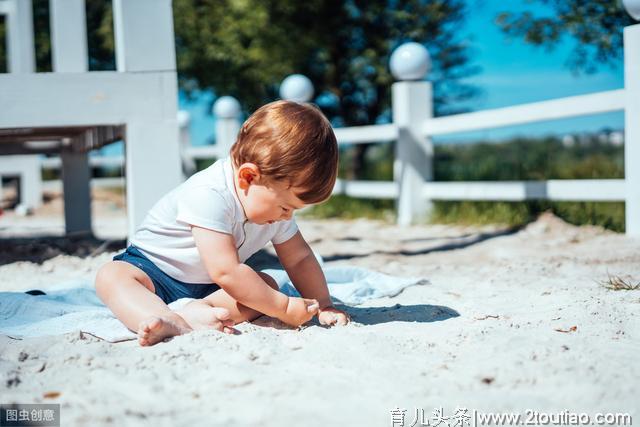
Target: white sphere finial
{"x": 633, "y": 8}
{"x": 296, "y": 87}
{"x": 183, "y": 118}
{"x": 226, "y": 107}
{"x": 410, "y": 61}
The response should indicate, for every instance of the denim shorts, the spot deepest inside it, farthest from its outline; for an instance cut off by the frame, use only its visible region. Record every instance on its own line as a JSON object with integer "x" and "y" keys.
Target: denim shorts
{"x": 167, "y": 288}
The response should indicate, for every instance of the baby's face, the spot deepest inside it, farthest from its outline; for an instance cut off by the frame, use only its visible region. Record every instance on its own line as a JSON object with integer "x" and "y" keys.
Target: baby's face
{"x": 268, "y": 203}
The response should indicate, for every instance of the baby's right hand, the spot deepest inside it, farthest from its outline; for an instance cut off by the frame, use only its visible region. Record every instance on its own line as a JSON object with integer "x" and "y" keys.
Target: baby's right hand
{"x": 300, "y": 311}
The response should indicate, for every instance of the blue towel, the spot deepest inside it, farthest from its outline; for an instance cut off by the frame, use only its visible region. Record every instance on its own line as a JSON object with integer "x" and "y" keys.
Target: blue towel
{"x": 76, "y": 307}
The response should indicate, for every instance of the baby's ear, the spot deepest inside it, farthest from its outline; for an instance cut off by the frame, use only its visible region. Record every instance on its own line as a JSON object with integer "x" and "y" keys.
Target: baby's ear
{"x": 248, "y": 174}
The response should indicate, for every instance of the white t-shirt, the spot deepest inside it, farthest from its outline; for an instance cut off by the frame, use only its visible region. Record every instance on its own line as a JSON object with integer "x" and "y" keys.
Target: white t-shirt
{"x": 207, "y": 199}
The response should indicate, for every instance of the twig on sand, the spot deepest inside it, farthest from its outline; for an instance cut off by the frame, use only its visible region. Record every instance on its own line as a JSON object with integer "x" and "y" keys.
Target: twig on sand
{"x": 51, "y": 394}
{"x": 618, "y": 283}
{"x": 488, "y": 316}
{"x": 571, "y": 329}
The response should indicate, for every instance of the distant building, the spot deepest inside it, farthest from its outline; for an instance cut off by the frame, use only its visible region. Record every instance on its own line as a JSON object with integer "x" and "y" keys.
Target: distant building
{"x": 616, "y": 138}
{"x": 607, "y": 136}
{"x": 568, "y": 140}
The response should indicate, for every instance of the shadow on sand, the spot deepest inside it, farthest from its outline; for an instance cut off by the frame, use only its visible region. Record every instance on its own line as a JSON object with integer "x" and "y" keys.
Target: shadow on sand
{"x": 423, "y": 313}
{"x": 38, "y": 249}
{"x": 41, "y": 248}
{"x": 466, "y": 242}
{"x": 263, "y": 259}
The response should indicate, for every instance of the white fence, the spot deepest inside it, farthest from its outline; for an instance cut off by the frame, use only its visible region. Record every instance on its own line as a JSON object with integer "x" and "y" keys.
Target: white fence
{"x": 556, "y": 190}
{"x": 413, "y": 126}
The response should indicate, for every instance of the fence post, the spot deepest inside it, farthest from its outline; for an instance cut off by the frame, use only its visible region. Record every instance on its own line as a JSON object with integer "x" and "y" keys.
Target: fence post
{"x": 68, "y": 36}
{"x": 226, "y": 109}
{"x": 21, "y": 53}
{"x": 188, "y": 163}
{"x": 144, "y": 39}
{"x": 76, "y": 176}
{"x": 69, "y": 55}
{"x": 412, "y": 105}
{"x": 632, "y": 128}
{"x": 21, "y": 59}
{"x": 296, "y": 87}
{"x": 28, "y": 170}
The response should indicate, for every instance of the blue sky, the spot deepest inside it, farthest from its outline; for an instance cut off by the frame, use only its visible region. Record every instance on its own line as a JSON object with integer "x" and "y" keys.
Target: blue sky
{"x": 512, "y": 73}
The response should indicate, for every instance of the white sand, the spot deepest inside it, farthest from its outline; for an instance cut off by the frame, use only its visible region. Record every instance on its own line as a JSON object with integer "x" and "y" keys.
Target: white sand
{"x": 500, "y": 352}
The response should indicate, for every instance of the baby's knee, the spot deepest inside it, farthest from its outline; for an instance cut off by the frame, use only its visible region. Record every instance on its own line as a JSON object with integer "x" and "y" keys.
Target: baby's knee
{"x": 109, "y": 275}
{"x": 104, "y": 275}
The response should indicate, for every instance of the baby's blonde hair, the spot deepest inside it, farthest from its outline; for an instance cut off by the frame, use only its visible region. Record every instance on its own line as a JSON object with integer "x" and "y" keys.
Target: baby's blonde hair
{"x": 293, "y": 142}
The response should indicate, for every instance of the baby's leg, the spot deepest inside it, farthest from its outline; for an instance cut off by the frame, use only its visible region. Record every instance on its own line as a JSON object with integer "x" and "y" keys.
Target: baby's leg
{"x": 129, "y": 293}
{"x": 238, "y": 312}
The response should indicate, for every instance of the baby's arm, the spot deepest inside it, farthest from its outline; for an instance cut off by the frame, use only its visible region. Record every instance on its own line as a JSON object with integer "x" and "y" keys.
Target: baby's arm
{"x": 305, "y": 272}
{"x": 220, "y": 257}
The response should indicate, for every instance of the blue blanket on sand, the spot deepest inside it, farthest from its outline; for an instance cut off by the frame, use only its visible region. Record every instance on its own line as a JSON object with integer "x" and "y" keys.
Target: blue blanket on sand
{"x": 76, "y": 307}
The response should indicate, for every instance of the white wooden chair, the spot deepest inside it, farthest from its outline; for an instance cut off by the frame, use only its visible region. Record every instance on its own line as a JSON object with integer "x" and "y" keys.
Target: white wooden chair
{"x": 84, "y": 110}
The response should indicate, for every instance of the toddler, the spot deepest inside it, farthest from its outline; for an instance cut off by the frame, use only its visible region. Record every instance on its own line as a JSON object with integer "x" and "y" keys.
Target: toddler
{"x": 193, "y": 243}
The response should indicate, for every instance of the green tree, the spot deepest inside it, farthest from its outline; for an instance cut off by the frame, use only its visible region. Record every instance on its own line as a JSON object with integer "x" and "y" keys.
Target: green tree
{"x": 100, "y": 38}
{"x": 595, "y": 25}
{"x": 245, "y": 48}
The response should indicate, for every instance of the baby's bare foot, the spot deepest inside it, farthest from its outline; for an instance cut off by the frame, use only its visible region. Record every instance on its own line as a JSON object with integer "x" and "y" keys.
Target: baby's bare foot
{"x": 156, "y": 328}
{"x": 200, "y": 315}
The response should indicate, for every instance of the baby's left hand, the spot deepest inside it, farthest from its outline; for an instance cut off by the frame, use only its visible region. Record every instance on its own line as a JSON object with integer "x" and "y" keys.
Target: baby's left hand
{"x": 332, "y": 316}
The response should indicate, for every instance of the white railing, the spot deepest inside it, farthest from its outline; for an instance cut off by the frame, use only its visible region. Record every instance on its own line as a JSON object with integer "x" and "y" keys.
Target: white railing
{"x": 413, "y": 125}
{"x": 413, "y": 185}
{"x": 594, "y": 103}
{"x": 414, "y": 188}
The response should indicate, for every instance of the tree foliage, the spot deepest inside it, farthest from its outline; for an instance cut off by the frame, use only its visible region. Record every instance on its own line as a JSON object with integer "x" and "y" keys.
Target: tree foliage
{"x": 100, "y": 37}
{"x": 245, "y": 48}
{"x": 595, "y": 25}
